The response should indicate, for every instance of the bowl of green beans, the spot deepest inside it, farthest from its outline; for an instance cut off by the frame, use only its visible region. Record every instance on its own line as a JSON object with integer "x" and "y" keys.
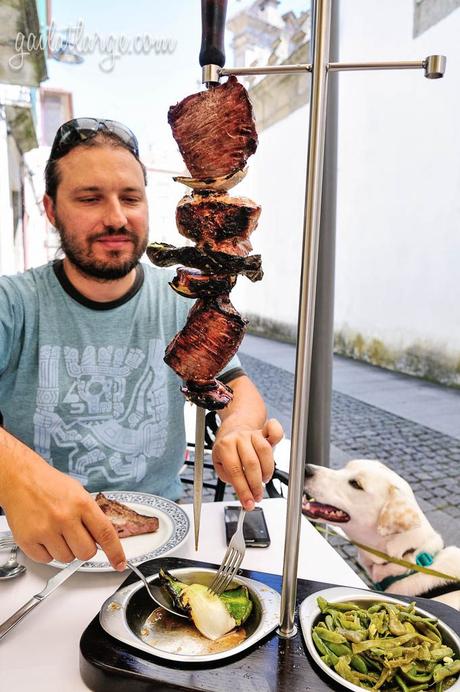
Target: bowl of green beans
{"x": 368, "y": 642}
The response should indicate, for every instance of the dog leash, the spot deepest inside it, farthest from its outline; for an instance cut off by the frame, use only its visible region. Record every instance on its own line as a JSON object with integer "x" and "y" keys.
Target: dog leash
{"x": 398, "y": 561}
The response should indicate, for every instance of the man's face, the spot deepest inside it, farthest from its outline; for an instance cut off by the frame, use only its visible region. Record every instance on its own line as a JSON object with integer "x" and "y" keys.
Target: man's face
{"x": 101, "y": 210}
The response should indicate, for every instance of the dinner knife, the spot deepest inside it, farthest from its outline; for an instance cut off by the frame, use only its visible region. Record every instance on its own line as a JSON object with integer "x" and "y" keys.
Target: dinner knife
{"x": 200, "y": 428}
{"x": 51, "y": 585}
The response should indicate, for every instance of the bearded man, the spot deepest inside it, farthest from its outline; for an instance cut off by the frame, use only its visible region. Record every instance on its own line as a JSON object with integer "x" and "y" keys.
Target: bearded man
{"x": 87, "y": 401}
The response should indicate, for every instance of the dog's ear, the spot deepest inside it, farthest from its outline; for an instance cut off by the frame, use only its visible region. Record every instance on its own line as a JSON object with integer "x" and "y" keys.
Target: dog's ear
{"x": 397, "y": 514}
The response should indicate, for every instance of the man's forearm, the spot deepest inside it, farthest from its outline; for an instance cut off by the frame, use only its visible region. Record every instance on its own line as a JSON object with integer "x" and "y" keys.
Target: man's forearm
{"x": 51, "y": 515}
{"x": 247, "y": 408}
{"x": 14, "y": 459}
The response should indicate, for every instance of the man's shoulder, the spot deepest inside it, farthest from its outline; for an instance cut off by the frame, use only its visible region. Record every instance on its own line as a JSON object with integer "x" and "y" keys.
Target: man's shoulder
{"x": 157, "y": 274}
{"x": 27, "y": 281}
{"x": 158, "y": 281}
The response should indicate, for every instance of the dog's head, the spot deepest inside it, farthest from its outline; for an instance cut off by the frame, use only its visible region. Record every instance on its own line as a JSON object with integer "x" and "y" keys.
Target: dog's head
{"x": 365, "y": 496}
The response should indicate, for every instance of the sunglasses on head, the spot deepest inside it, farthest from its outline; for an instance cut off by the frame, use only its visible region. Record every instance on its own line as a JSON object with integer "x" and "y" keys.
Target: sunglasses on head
{"x": 78, "y": 130}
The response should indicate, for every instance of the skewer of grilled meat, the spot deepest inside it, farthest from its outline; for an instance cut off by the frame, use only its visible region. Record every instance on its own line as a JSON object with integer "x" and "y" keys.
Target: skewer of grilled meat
{"x": 215, "y": 130}
{"x": 218, "y": 222}
{"x": 216, "y": 134}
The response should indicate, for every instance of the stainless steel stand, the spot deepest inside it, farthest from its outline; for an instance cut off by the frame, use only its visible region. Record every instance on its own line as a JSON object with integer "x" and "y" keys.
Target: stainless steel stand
{"x": 434, "y": 67}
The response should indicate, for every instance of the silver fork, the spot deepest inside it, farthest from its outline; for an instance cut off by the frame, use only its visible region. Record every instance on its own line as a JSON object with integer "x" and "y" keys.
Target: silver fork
{"x": 6, "y": 542}
{"x": 232, "y": 558}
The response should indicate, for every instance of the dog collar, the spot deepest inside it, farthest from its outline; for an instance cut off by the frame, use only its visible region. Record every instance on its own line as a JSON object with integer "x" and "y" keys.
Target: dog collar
{"x": 388, "y": 581}
{"x": 422, "y": 559}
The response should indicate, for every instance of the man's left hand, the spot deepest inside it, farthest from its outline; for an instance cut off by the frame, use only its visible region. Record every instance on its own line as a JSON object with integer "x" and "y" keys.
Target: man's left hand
{"x": 243, "y": 456}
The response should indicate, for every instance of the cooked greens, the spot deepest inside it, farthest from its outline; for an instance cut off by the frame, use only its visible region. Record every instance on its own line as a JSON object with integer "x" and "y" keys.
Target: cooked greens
{"x": 212, "y": 615}
{"x": 385, "y": 647}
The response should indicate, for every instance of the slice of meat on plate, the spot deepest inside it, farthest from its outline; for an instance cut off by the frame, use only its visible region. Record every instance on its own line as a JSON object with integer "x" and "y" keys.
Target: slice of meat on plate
{"x": 126, "y": 521}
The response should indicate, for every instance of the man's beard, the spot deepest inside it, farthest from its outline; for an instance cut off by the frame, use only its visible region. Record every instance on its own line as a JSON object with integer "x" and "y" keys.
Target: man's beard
{"x": 88, "y": 265}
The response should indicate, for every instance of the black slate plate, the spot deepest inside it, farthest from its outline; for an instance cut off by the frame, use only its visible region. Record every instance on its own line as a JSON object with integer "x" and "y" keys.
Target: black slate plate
{"x": 273, "y": 665}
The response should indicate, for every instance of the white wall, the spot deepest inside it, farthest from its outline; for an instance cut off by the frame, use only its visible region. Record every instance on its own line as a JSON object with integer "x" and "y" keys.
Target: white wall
{"x": 399, "y": 181}
{"x": 163, "y": 195}
{"x": 398, "y": 240}
{"x": 276, "y": 181}
{"x": 40, "y": 240}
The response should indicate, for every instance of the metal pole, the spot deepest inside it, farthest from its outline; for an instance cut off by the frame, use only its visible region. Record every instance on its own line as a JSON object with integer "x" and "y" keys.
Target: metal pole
{"x": 319, "y": 418}
{"x": 321, "y": 14}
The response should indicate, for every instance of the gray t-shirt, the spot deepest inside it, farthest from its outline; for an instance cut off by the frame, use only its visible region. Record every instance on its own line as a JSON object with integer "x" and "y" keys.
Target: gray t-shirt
{"x": 84, "y": 383}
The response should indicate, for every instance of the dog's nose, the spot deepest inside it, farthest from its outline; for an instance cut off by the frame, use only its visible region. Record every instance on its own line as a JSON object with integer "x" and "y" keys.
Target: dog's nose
{"x": 309, "y": 471}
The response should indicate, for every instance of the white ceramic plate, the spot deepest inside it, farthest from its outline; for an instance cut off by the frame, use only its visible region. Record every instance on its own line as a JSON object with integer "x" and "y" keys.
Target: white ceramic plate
{"x": 309, "y": 613}
{"x": 174, "y": 526}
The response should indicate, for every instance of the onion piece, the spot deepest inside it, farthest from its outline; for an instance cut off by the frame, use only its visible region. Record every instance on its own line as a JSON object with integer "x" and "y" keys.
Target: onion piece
{"x": 222, "y": 183}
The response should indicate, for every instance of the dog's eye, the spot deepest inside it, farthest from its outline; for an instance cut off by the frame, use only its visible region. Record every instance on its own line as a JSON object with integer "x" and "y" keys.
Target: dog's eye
{"x": 356, "y": 484}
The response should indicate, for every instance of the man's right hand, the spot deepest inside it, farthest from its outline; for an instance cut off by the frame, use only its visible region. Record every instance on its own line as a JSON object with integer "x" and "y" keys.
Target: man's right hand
{"x": 51, "y": 515}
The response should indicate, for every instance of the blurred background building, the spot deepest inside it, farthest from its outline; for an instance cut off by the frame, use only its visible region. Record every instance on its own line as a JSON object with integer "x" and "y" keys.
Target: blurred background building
{"x": 398, "y": 182}
{"x": 29, "y": 116}
{"x": 18, "y": 125}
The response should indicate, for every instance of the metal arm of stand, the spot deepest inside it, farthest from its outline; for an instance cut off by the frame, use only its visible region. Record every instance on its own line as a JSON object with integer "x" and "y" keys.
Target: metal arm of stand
{"x": 433, "y": 65}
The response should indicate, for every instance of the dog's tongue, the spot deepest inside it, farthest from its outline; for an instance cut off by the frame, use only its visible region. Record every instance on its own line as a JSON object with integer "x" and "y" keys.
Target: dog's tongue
{"x": 316, "y": 510}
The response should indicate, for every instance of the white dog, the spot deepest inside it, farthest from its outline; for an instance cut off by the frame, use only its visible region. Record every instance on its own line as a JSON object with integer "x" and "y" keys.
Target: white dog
{"x": 376, "y": 507}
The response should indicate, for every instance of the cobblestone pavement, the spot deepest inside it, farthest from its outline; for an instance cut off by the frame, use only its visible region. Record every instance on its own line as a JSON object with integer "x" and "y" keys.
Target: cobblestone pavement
{"x": 427, "y": 459}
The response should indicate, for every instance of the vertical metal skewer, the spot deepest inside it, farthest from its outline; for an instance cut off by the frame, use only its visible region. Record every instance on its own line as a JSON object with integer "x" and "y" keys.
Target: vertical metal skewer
{"x": 213, "y": 13}
{"x": 434, "y": 67}
{"x": 200, "y": 427}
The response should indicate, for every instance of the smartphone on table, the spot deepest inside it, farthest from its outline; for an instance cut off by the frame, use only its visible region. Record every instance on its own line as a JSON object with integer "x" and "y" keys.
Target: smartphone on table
{"x": 255, "y": 529}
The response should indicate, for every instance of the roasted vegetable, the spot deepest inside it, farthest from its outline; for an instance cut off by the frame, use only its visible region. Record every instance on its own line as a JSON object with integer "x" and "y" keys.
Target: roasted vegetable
{"x": 192, "y": 283}
{"x": 384, "y": 647}
{"x": 212, "y": 615}
{"x": 210, "y": 262}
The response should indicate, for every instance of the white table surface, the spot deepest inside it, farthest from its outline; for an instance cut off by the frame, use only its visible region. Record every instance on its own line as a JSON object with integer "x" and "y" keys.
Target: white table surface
{"x": 42, "y": 652}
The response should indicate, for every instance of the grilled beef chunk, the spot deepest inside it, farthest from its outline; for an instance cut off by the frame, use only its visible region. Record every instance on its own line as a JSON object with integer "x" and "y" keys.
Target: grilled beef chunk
{"x": 211, "y": 336}
{"x": 192, "y": 283}
{"x": 215, "y": 130}
{"x": 213, "y": 395}
{"x": 218, "y": 222}
{"x": 126, "y": 521}
{"x": 165, "y": 255}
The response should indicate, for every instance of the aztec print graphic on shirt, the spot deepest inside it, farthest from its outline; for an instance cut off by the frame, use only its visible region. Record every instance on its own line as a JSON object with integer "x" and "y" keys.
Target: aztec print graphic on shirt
{"x": 113, "y": 409}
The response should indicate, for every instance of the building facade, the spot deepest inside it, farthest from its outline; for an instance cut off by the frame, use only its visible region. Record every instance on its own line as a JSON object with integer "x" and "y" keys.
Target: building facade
{"x": 21, "y": 73}
{"x": 397, "y": 282}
